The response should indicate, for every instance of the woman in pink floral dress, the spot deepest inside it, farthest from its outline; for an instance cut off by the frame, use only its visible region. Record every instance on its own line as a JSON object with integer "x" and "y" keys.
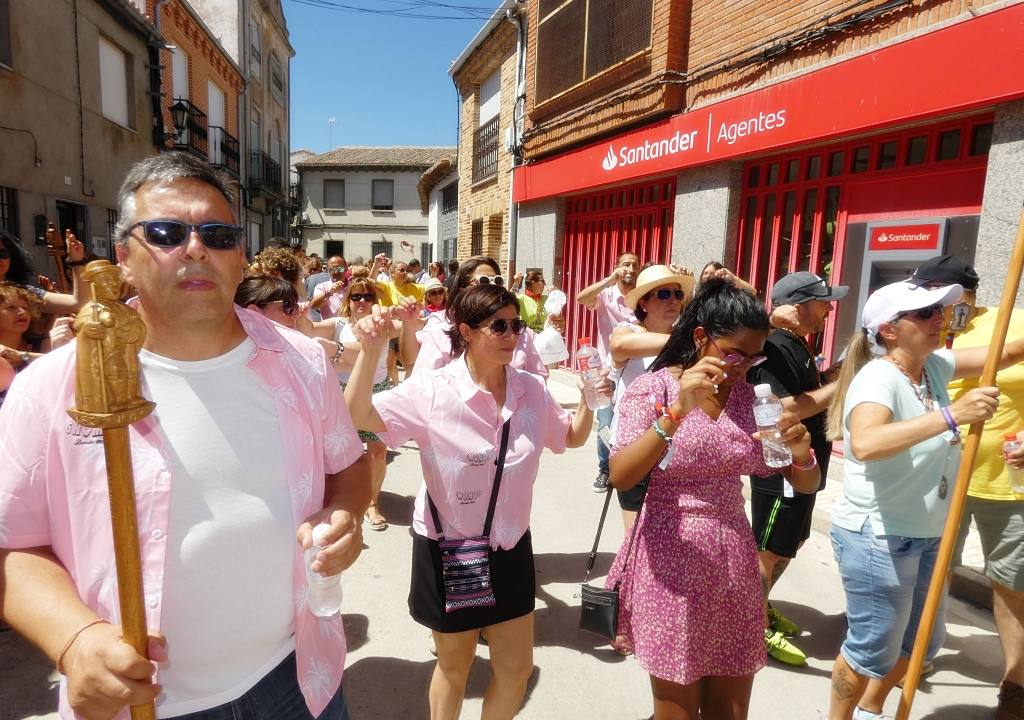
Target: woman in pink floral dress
{"x": 692, "y": 607}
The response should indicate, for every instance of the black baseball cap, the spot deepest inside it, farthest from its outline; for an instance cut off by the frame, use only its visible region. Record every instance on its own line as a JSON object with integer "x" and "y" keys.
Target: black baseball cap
{"x": 945, "y": 270}
{"x": 801, "y": 287}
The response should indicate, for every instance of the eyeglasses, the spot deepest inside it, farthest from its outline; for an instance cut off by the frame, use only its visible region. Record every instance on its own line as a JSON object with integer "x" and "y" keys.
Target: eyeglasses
{"x": 666, "y": 293}
{"x": 735, "y": 359}
{"x": 362, "y": 297}
{"x": 500, "y": 327}
{"x": 435, "y": 291}
{"x": 288, "y": 307}
{"x": 173, "y": 233}
{"x": 922, "y": 313}
{"x": 489, "y": 279}
{"x": 336, "y": 270}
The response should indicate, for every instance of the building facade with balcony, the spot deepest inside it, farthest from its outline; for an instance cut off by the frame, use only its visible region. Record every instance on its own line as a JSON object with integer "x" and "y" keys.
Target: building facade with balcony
{"x": 361, "y": 201}
{"x": 439, "y": 201}
{"x": 852, "y": 140}
{"x": 255, "y": 34}
{"x": 486, "y": 74}
{"x": 77, "y": 113}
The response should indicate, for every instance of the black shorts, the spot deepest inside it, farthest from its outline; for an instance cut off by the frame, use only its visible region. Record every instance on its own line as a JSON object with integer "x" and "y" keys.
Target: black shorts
{"x": 780, "y": 523}
{"x": 633, "y": 498}
{"x": 512, "y": 578}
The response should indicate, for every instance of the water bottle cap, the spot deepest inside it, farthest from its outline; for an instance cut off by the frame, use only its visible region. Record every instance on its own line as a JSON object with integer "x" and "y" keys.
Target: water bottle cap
{"x": 1010, "y": 436}
{"x": 585, "y": 340}
{"x": 762, "y": 390}
{"x": 320, "y": 533}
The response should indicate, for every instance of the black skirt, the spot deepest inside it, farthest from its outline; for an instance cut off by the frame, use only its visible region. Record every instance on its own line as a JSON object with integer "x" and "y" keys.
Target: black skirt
{"x": 512, "y": 578}
{"x": 633, "y": 499}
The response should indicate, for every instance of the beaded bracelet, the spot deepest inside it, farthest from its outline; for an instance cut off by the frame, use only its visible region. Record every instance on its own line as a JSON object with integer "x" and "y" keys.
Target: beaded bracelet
{"x": 950, "y": 422}
{"x": 810, "y": 464}
{"x": 661, "y": 433}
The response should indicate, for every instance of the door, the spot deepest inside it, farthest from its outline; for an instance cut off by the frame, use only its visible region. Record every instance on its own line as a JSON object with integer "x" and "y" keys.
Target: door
{"x": 215, "y": 116}
{"x": 600, "y": 227}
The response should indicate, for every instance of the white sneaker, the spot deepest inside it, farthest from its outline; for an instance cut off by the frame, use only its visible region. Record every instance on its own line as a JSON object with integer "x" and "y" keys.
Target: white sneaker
{"x": 862, "y": 714}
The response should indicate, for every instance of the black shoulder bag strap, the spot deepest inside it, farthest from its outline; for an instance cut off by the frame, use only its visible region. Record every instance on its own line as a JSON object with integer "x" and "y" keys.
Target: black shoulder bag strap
{"x": 632, "y": 532}
{"x": 499, "y": 462}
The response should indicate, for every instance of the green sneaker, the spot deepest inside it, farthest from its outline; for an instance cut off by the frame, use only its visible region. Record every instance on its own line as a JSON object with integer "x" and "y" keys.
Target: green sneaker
{"x": 782, "y": 649}
{"x": 783, "y": 624}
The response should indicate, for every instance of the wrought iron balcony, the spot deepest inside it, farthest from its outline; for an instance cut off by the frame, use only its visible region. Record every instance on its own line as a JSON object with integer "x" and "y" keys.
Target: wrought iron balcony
{"x": 485, "y": 151}
{"x": 194, "y": 135}
{"x": 264, "y": 173}
{"x": 224, "y": 150}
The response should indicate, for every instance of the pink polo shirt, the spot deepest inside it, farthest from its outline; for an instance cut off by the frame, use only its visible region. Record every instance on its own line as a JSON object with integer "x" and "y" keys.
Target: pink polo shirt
{"x": 611, "y": 310}
{"x": 332, "y": 305}
{"x": 455, "y": 424}
{"x": 53, "y": 488}
{"x": 436, "y": 348}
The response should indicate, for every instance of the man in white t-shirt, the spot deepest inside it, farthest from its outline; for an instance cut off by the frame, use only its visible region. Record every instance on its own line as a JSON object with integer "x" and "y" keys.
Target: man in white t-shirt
{"x": 249, "y": 447}
{"x": 608, "y": 298}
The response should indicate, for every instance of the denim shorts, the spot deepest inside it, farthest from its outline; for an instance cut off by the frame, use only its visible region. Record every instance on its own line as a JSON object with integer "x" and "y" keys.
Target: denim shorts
{"x": 885, "y": 578}
{"x": 276, "y": 697}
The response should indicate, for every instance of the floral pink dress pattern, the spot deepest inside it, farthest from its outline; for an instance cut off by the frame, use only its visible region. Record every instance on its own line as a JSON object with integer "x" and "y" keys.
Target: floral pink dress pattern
{"x": 691, "y": 602}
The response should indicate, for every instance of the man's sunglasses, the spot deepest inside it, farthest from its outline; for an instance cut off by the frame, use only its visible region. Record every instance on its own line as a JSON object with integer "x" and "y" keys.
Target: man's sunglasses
{"x": 666, "y": 293}
{"x": 172, "y": 233}
{"x": 288, "y": 307}
{"x": 336, "y": 270}
{"x": 488, "y": 279}
{"x": 733, "y": 359}
{"x": 362, "y": 297}
{"x": 500, "y": 327}
{"x": 922, "y": 313}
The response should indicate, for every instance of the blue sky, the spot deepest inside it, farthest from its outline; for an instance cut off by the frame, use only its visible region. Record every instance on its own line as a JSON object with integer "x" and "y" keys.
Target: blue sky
{"x": 384, "y": 79}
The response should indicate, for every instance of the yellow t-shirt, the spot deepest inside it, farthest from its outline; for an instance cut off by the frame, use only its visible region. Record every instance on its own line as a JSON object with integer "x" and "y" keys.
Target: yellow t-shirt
{"x": 990, "y": 480}
{"x": 392, "y": 294}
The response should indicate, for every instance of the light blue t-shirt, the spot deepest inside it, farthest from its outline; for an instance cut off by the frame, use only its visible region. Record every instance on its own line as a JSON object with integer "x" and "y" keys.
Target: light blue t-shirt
{"x": 899, "y": 494}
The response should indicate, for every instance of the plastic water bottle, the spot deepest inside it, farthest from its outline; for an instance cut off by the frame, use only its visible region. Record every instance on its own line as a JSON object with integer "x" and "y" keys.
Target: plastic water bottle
{"x": 324, "y": 593}
{"x": 1010, "y": 444}
{"x": 588, "y": 362}
{"x": 767, "y": 411}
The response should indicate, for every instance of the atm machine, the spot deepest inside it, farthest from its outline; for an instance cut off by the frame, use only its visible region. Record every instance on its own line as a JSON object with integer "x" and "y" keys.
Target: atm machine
{"x": 894, "y": 248}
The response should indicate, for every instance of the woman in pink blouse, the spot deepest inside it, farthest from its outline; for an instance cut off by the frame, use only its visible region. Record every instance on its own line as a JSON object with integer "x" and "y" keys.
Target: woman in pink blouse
{"x": 457, "y": 414}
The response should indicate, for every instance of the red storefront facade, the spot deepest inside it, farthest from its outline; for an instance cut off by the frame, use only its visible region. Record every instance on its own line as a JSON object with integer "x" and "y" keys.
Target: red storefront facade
{"x": 898, "y": 135}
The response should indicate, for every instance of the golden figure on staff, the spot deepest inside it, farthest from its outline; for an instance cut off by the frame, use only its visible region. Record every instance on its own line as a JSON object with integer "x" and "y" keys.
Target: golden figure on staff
{"x": 110, "y": 335}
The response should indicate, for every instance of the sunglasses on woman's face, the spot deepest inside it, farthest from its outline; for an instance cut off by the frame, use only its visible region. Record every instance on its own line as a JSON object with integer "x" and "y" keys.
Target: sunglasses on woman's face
{"x": 288, "y": 307}
{"x": 922, "y": 313}
{"x": 733, "y": 359}
{"x": 666, "y": 293}
{"x": 173, "y": 233}
{"x": 500, "y": 327}
{"x": 362, "y": 297}
{"x": 431, "y": 293}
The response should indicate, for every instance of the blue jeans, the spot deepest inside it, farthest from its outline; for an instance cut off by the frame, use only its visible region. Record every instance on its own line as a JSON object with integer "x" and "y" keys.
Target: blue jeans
{"x": 604, "y": 419}
{"x": 275, "y": 697}
{"x": 886, "y": 579}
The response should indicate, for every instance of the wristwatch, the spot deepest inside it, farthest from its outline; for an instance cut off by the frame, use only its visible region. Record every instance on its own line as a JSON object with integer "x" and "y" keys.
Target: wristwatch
{"x": 338, "y": 354}
{"x": 25, "y": 358}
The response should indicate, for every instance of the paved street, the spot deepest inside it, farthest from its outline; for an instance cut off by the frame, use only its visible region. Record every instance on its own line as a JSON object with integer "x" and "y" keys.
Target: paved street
{"x": 389, "y": 665}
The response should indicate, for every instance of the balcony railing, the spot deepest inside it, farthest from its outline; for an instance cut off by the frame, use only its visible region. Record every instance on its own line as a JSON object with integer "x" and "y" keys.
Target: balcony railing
{"x": 485, "y": 151}
{"x": 224, "y": 150}
{"x": 264, "y": 172}
{"x": 195, "y": 136}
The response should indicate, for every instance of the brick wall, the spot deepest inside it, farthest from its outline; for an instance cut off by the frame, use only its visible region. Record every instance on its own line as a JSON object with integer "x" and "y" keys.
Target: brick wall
{"x": 206, "y": 62}
{"x": 487, "y": 200}
{"x": 698, "y": 37}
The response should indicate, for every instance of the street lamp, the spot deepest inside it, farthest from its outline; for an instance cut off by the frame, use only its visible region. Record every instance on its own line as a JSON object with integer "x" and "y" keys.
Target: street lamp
{"x": 179, "y": 115}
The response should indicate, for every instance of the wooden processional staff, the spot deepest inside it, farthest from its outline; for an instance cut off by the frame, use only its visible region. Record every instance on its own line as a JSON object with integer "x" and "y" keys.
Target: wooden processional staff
{"x": 108, "y": 396}
{"x": 963, "y": 479}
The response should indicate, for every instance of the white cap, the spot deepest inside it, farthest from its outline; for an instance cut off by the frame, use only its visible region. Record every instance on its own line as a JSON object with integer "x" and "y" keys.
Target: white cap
{"x": 320, "y": 533}
{"x": 890, "y": 300}
{"x": 762, "y": 390}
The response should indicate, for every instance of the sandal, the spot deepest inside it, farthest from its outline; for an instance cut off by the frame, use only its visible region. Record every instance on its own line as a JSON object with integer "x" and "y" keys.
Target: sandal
{"x": 378, "y": 525}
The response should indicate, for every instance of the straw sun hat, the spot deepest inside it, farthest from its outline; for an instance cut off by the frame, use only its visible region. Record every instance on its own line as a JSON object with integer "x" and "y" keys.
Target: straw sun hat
{"x": 655, "y": 276}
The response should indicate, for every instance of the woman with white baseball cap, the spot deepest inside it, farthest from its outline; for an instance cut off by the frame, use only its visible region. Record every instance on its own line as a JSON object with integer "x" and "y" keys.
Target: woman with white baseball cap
{"x": 901, "y": 454}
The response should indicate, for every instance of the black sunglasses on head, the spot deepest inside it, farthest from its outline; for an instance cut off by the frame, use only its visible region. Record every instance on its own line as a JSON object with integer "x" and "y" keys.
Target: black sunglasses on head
{"x": 173, "y": 233}
{"x": 500, "y": 327}
{"x": 488, "y": 279}
{"x": 922, "y": 313}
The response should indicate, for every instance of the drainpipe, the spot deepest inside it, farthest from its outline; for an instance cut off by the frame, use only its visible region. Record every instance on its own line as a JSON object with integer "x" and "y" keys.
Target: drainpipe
{"x": 513, "y": 208}
{"x": 81, "y": 106}
{"x": 156, "y": 84}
